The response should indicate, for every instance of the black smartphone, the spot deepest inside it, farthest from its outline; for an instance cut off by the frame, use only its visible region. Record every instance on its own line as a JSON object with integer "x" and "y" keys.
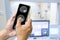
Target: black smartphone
{"x": 22, "y": 12}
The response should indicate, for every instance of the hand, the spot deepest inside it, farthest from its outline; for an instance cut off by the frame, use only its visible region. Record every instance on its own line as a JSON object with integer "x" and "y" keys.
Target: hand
{"x": 9, "y": 26}
{"x": 8, "y": 31}
{"x": 23, "y": 31}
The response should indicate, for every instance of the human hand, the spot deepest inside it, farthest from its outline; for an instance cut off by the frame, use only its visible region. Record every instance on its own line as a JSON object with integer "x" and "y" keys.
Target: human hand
{"x": 8, "y": 31}
{"x": 9, "y": 26}
{"x": 23, "y": 31}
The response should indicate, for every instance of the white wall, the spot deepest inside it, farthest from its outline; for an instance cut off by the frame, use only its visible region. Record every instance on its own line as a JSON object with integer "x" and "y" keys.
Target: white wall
{"x": 2, "y": 14}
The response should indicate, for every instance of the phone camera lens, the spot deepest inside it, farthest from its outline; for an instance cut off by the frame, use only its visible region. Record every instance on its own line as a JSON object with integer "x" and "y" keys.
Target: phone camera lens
{"x": 22, "y": 17}
{"x": 23, "y": 9}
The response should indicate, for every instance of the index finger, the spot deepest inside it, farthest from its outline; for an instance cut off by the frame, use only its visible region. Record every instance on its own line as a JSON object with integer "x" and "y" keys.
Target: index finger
{"x": 29, "y": 22}
{"x": 12, "y": 17}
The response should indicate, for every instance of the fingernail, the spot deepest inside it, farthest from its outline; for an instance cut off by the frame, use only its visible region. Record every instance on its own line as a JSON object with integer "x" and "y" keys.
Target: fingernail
{"x": 20, "y": 18}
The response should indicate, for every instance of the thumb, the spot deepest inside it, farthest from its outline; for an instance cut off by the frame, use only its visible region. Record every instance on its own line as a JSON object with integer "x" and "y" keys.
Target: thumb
{"x": 18, "y": 23}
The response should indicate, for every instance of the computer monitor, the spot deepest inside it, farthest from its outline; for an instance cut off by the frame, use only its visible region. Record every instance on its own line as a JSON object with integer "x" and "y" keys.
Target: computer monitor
{"x": 40, "y": 28}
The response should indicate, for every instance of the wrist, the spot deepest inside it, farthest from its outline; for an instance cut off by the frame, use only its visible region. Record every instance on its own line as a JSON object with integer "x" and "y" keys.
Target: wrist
{"x": 21, "y": 38}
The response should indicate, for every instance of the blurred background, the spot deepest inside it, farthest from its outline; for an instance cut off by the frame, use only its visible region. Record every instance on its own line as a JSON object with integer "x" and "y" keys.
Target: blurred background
{"x": 39, "y": 11}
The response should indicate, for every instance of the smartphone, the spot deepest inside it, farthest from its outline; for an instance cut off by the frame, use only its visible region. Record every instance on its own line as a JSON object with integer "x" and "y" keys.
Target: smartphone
{"x": 22, "y": 12}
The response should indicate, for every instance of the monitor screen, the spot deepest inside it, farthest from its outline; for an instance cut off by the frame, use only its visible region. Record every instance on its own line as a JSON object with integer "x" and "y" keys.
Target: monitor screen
{"x": 40, "y": 28}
